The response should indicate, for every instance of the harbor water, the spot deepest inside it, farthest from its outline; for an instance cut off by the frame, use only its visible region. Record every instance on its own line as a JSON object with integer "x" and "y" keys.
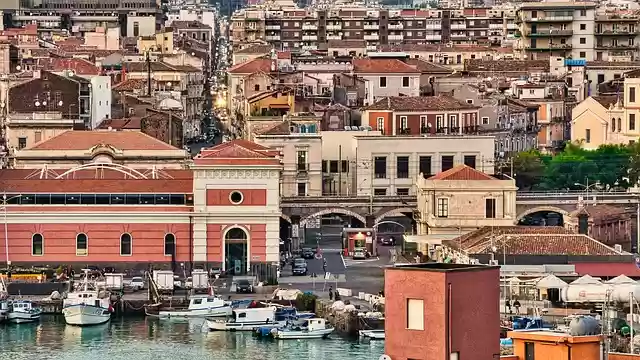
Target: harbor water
{"x": 150, "y": 339}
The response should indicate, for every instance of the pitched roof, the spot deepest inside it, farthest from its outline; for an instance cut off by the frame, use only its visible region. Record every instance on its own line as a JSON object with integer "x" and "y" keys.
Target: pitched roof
{"x": 382, "y": 66}
{"x": 420, "y": 103}
{"x": 601, "y": 212}
{"x": 255, "y": 49}
{"x": 84, "y": 140}
{"x": 120, "y": 124}
{"x": 181, "y": 24}
{"x": 607, "y": 100}
{"x": 281, "y": 128}
{"x": 141, "y": 66}
{"x": 79, "y": 66}
{"x": 252, "y": 66}
{"x": 346, "y": 44}
{"x": 427, "y": 67}
{"x": 133, "y": 84}
{"x": 462, "y": 172}
{"x": 237, "y": 152}
{"x": 505, "y": 66}
{"x": 476, "y": 237}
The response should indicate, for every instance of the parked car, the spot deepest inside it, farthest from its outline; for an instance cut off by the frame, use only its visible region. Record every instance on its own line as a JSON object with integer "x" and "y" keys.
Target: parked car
{"x": 299, "y": 269}
{"x": 137, "y": 283}
{"x": 299, "y": 262}
{"x": 359, "y": 254}
{"x": 244, "y": 286}
{"x": 308, "y": 253}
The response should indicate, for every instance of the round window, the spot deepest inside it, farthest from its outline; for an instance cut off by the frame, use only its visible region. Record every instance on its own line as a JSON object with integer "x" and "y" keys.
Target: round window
{"x": 236, "y": 197}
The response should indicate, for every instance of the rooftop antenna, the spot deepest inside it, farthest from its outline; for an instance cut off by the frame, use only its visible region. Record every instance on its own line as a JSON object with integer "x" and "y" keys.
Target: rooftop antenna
{"x": 148, "y": 60}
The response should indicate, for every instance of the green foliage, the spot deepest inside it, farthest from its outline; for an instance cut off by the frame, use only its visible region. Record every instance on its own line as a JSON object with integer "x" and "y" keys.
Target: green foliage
{"x": 306, "y": 302}
{"x": 612, "y": 166}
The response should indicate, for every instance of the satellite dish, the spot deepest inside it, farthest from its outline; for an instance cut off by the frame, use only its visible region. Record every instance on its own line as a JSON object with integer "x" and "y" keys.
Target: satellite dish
{"x": 384, "y": 357}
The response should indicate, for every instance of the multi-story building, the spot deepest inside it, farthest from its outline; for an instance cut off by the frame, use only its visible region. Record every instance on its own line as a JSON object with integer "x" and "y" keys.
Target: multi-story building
{"x": 133, "y": 17}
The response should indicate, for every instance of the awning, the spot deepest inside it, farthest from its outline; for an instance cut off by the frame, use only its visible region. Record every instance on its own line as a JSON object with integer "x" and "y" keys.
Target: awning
{"x": 551, "y": 282}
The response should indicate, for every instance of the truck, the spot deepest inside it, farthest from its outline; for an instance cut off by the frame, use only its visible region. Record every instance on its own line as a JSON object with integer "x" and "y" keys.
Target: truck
{"x": 163, "y": 280}
{"x": 199, "y": 280}
{"x": 114, "y": 281}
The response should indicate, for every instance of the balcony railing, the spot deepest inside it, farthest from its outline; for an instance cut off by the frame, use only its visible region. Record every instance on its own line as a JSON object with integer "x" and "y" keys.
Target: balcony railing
{"x": 371, "y": 37}
{"x": 272, "y": 37}
{"x": 458, "y": 26}
{"x": 616, "y": 47}
{"x": 395, "y": 37}
{"x": 272, "y": 27}
{"x": 334, "y": 27}
{"x": 617, "y": 32}
{"x": 434, "y": 26}
{"x": 334, "y": 37}
{"x": 433, "y": 37}
{"x": 371, "y": 26}
{"x": 496, "y": 26}
{"x": 550, "y": 32}
{"x": 548, "y": 47}
{"x": 309, "y": 38}
{"x": 548, "y": 18}
{"x": 309, "y": 27}
{"x": 395, "y": 26}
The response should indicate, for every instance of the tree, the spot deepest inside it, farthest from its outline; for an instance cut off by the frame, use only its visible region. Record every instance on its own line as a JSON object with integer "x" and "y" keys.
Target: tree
{"x": 528, "y": 169}
{"x": 612, "y": 165}
{"x": 634, "y": 163}
{"x": 567, "y": 171}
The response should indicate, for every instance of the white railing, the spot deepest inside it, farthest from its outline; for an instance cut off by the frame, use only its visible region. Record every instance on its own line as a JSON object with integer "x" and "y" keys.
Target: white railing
{"x": 396, "y": 37}
{"x": 372, "y": 37}
{"x": 309, "y": 47}
{"x": 272, "y": 37}
{"x": 309, "y": 27}
{"x": 334, "y": 37}
{"x": 395, "y": 26}
{"x": 496, "y": 26}
{"x": 458, "y": 26}
{"x": 334, "y": 27}
{"x": 434, "y": 26}
{"x": 272, "y": 27}
{"x": 433, "y": 37}
{"x": 371, "y": 26}
{"x": 309, "y": 38}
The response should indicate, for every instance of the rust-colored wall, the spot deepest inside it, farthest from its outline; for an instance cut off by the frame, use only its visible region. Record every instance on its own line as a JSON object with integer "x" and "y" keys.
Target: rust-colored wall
{"x": 373, "y": 122}
{"x": 251, "y": 197}
{"x": 474, "y": 320}
{"x": 103, "y": 242}
{"x": 616, "y": 356}
{"x": 553, "y": 350}
{"x": 257, "y": 234}
{"x": 214, "y": 243}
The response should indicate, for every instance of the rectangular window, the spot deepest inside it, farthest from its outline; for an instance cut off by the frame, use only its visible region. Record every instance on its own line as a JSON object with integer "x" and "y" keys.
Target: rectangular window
{"x": 37, "y": 137}
{"x": 325, "y": 164}
{"x": 383, "y": 81}
{"x": 485, "y": 120}
{"x": 136, "y": 29}
{"x": 425, "y": 165}
{"x": 490, "y": 208}
{"x": 447, "y": 162}
{"x": 380, "y": 124}
{"x": 415, "y": 314}
{"x": 22, "y": 143}
{"x": 402, "y": 191}
{"x": 344, "y": 166}
{"x": 302, "y": 189}
{"x": 443, "y": 208}
{"x": 380, "y": 192}
{"x": 380, "y": 167}
{"x": 302, "y": 160}
{"x": 470, "y": 161}
{"x": 632, "y": 94}
{"x": 583, "y": 40}
{"x": 403, "y": 122}
{"x": 632, "y": 122}
{"x": 402, "y": 167}
{"x": 333, "y": 166}
{"x": 587, "y": 135}
{"x": 405, "y": 81}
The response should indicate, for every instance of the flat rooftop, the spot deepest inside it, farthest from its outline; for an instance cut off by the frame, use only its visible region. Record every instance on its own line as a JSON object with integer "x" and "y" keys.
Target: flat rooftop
{"x": 441, "y": 267}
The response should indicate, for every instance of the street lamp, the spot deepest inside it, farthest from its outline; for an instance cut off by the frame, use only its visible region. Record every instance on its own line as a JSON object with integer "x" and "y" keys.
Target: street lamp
{"x": 6, "y": 226}
{"x": 587, "y": 187}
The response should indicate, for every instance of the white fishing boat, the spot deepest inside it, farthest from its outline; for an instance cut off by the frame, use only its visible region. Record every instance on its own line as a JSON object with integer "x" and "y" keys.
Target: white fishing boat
{"x": 88, "y": 306}
{"x": 372, "y": 334}
{"x": 23, "y": 311}
{"x": 245, "y": 320}
{"x": 199, "y": 306}
{"x": 315, "y": 328}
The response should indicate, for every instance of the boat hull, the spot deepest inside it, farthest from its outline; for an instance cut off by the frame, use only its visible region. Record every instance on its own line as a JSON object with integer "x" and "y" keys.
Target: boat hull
{"x": 22, "y": 318}
{"x": 214, "y": 325}
{"x": 85, "y": 315}
{"x": 372, "y": 334}
{"x": 302, "y": 334}
{"x": 199, "y": 313}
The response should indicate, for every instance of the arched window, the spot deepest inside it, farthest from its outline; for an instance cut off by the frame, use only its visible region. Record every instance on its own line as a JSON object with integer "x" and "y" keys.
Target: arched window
{"x": 237, "y": 234}
{"x": 169, "y": 245}
{"x": 37, "y": 245}
{"x": 82, "y": 245}
{"x": 125, "y": 244}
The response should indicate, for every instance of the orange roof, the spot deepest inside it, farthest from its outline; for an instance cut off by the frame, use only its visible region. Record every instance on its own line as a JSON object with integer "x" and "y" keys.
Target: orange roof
{"x": 84, "y": 140}
{"x": 79, "y": 66}
{"x": 462, "y": 172}
{"x": 237, "y": 152}
{"x": 380, "y": 66}
{"x": 253, "y": 66}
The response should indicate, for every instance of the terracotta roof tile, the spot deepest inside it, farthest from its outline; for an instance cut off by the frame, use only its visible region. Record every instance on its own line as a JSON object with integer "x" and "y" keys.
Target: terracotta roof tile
{"x": 79, "y": 66}
{"x": 252, "y": 66}
{"x": 420, "y": 103}
{"x": 180, "y": 24}
{"x": 346, "y": 44}
{"x": 133, "y": 84}
{"x": 505, "y": 66}
{"x": 602, "y": 212}
{"x": 476, "y": 237}
{"x": 281, "y": 128}
{"x": 544, "y": 244}
{"x": 462, "y": 172}
{"x": 120, "y": 124}
{"x": 255, "y": 49}
{"x": 238, "y": 152}
{"x": 428, "y": 67}
{"x": 84, "y": 140}
{"x": 608, "y": 100}
{"x": 141, "y": 66}
{"x": 382, "y": 66}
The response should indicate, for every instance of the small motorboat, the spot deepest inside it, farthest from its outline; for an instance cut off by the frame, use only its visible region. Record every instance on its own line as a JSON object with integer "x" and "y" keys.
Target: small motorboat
{"x": 199, "y": 306}
{"x": 87, "y": 306}
{"x": 23, "y": 311}
{"x": 315, "y": 328}
{"x": 248, "y": 319}
{"x": 372, "y": 334}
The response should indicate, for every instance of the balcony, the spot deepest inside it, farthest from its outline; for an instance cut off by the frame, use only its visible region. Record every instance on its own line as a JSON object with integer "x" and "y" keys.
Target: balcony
{"x": 36, "y": 18}
{"x": 617, "y": 18}
{"x": 458, "y": 26}
{"x": 309, "y": 27}
{"x": 548, "y": 47}
{"x": 512, "y": 26}
{"x": 372, "y": 37}
{"x": 395, "y": 26}
{"x": 617, "y": 32}
{"x": 395, "y": 37}
{"x": 251, "y": 29}
{"x": 549, "y": 18}
{"x": 334, "y": 37}
{"x": 272, "y": 27}
{"x": 458, "y": 36}
{"x": 309, "y": 38}
{"x": 334, "y": 27}
{"x": 549, "y": 33}
{"x": 431, "y": 37}
{"x": 309, "y": 47}
{"x": 272, "y": 37}
{"x": 371, "y": 26}
{"x": 616, "y": 47}
{"x": 372, "y": 48}
{"x": 94, "y": 18}
{"x": 434, "y": 26}
{"x": 496, "y": 26}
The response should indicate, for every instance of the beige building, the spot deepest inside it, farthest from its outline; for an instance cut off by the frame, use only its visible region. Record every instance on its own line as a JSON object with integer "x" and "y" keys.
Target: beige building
{"x": 301, "y": 155}
{"x": 600, "y": 120}
{"x": 103, "y": 38}
{"x": 464, "y": 199}
{"x": 70, "y": 149}
{"x": 28, "y": 129}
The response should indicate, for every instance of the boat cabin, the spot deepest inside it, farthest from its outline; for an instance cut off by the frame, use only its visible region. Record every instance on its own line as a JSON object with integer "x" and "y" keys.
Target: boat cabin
{"x": 252, "y": 315}
{"x": 316, "y": 324}
{"x": 21, "y": 305}
{"x": 205, "y": 302}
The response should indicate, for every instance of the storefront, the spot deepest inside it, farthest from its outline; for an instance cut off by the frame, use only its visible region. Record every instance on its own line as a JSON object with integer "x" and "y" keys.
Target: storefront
{"x": 358, "y": 238}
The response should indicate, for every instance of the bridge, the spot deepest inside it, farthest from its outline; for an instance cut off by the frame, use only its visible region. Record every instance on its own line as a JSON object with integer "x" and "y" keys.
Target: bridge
{"x": 305, "y": 210}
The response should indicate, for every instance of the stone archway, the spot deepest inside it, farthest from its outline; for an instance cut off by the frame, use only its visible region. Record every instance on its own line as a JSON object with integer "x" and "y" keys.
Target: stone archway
{"x": 564, "y": 213}
{"x": 286, "y": 218}
{"x": 342, "y": 211}
{"x": 394, "y": 212}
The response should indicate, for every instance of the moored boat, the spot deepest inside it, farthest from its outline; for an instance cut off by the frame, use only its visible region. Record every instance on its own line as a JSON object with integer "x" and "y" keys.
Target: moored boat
{"x": 4, "y": 310}
{"x": 246, "y": 320}
{"x": 23, "y": 311}
{"x": 87, "y": 306}
{"x": 199, "y": 306}
{"x": 315, "y": 328}
{"x": 372, "y": 334}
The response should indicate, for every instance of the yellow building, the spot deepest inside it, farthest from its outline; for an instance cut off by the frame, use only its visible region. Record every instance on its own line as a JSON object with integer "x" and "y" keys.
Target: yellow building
{"x": 161, "y": 42}
{"x": 270, "y": 103}
{"x": 601, "y": 120}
